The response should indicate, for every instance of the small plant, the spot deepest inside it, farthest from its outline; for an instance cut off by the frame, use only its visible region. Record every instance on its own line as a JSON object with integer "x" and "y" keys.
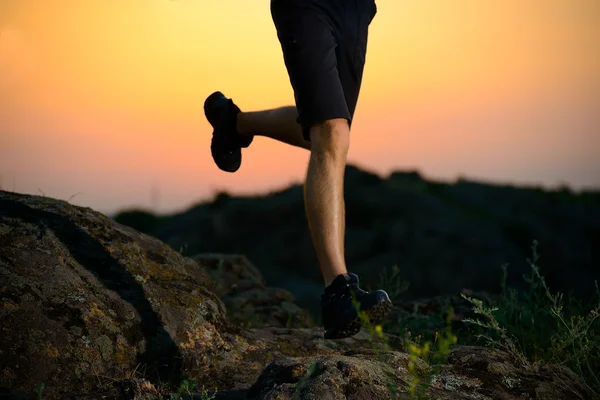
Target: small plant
{"x": 506, "y": 341}
{"x": 186, "y": 387}
{"x": 252, "y": 318}
{"x": 415, "y": 322}
{"x": 377, "y": 337}
{"x": 205, "y": 395}
{"x": 312, "y": 369}
{"x": 392, "y": 283}
{"x": 190, "y": 388}
{"x": 39, "y": 389}
{"x": 433, "y": 354}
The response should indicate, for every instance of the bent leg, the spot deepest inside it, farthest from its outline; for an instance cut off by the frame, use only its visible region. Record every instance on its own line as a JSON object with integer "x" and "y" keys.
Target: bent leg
{"x": 279, "y": 124}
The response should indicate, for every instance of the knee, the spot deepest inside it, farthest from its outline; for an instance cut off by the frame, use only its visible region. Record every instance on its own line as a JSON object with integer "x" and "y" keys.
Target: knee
{"x": 331, "y": 137}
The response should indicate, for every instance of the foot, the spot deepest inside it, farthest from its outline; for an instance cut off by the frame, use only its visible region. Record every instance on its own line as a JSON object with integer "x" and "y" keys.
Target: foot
{"x": 226, "y": 142}
{"x": 339, "y": 314}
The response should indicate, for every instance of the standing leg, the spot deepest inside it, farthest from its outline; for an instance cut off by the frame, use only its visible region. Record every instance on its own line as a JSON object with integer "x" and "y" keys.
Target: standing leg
{"x": 324, "y": 195}
{"x": 324, "y": 48}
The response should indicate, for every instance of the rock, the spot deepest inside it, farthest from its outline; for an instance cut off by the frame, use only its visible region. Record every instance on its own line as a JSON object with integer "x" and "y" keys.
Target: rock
{"x": 332, "y": 377}
{"x": 238, "y": 358}
{"x": 481, "y": 373}
{"x": 470, "y": 373}
{"x": 87, "y": 302}
{"x": 84, "y": 300}
{"x": 249, "y": 302}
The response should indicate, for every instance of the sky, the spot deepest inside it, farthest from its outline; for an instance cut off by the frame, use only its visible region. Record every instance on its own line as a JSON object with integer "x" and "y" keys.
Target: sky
{"x": 101, "y": 100}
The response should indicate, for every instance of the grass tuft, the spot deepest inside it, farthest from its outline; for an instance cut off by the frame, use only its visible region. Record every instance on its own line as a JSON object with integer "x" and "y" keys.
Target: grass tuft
{"x": 539, "y": 327}
{"x": 536, "y": 326}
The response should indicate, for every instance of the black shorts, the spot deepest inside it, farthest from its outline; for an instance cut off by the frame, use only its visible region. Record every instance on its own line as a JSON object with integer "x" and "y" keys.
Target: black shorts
{"x": 324, "y": 45}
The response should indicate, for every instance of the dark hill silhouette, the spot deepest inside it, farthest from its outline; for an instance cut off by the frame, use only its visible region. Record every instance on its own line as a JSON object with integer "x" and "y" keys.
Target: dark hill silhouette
{"x": 444, "y": 237}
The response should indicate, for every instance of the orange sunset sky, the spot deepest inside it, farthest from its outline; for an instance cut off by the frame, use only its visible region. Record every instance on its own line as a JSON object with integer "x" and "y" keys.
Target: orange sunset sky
{"x": 102, "y": 99}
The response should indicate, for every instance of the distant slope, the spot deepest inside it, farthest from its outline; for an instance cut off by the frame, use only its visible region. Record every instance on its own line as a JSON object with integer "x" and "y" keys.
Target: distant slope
{"x": 444, "y": 237}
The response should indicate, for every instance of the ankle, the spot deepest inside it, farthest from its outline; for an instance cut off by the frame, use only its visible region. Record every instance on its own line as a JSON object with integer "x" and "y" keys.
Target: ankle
{"x": 330, "y": 279}
{"x": 241, "y": 124}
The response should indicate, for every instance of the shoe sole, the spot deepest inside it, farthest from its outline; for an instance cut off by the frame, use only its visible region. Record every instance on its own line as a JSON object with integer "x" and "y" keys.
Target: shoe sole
{"x": 232, "y": 164}
{"x": 379, "y": 313}
{"x": 209, "y": 102}
{"x": 228, "y": 163}
{"x": 376, "y": 315}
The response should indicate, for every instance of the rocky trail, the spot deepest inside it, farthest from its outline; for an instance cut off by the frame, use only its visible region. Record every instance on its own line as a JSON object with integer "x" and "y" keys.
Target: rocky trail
{"x": 93, "y": 309}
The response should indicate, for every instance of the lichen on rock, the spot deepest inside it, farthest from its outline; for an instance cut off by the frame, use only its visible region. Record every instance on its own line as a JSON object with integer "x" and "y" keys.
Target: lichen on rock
{"x": 74, "y": 313}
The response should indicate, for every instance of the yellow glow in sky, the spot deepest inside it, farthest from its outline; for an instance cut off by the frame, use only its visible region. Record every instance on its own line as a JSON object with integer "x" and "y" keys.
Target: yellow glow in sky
{"x": 104, "y": 97}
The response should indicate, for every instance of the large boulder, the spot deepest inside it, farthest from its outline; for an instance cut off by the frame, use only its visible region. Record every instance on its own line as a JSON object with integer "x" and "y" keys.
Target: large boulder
{"x": 84, "y": 300}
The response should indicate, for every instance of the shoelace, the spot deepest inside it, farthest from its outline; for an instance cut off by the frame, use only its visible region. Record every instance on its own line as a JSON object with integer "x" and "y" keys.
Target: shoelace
{"x": 359, "y": 292}
{"x": 345, "y": 292}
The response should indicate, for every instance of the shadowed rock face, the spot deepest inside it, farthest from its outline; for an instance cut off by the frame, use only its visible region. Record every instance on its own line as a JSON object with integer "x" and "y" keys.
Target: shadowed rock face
{"x": 91, "y": 308}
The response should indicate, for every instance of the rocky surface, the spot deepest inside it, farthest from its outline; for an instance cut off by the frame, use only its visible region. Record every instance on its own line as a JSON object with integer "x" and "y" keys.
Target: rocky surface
{"x": 470, "y": 373}
{"x": 443, "y": 237}
{"x": 93, "y": 310}
{"x": 249, "y": 302}
{"x": 83, "y": 299}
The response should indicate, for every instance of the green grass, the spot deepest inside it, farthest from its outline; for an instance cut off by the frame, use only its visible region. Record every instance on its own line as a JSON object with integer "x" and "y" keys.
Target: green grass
{"x": 189, "y": 388}
{"x": 39, "y": 390}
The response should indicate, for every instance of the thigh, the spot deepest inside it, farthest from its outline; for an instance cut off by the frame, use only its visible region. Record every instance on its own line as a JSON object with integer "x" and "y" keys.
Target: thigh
{"x": 309, "y": 46}
{"x": 352, "y": 50}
